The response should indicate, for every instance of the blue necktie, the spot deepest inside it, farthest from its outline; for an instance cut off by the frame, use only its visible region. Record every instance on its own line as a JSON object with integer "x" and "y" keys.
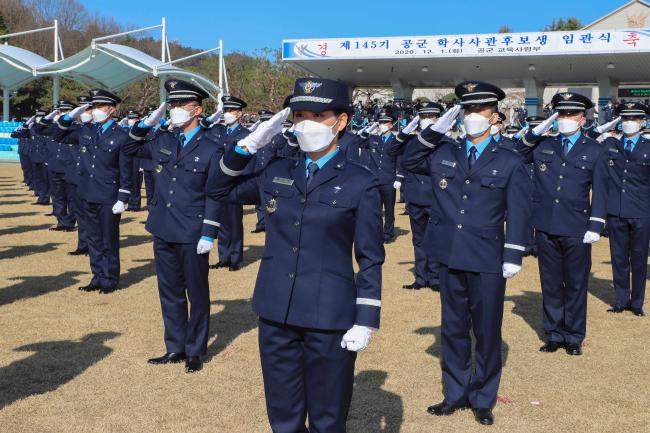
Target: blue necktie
{"x": 181, "y": 142}
{"x": 312, "y": 169}
{"x": 472, "y": 156}
{"x": 628, "y": 147}
{"x": 565, "y": 145}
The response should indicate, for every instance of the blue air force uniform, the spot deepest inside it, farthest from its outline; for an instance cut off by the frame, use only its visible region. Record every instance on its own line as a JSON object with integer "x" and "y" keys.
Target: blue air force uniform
{"x": 306, "y": 294}
{"x": 179, "y": 216}
{"x": 418, "y": 195}
{"x": 376, "y": 157}
{"x": 38, "y": 155}
{"x": 474, "y": 187}
{"x": 627, "y": 163}
{"x": 567, "y": 169}
{"x": 105, "y": 179}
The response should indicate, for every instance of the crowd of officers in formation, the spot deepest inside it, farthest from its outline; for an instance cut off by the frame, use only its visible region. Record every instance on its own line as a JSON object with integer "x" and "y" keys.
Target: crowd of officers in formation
{"x": 325, "y": 195}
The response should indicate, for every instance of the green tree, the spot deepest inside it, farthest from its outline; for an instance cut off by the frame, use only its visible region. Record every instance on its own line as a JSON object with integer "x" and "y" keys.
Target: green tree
{"x": 505, "y": 29}
{"x": 561, "y": 24}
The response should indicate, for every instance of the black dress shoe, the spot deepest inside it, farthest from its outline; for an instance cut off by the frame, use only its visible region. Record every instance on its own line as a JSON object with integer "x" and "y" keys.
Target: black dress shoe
{"x": 442, "y": 409}
{"x": 638, "y": 313}
{"x": 550, "y": 347}
{"x": 573, "y": 349}
{"x": 234, "y": 268}
{"x": 193, "y": 364}
{"x": 78, "y": 252}
{"x": 434, "y": 287}
{"x": 69, "y": 229}
{"x": 220, "y": 265}
{"x": 389, "y": 240}
{"x": 168, "y": 358}
{"x": 413, "y": 286}
{"x": 89, "y": 288}
{"x": 258, "y": 230}
{"x": 616, "y": 309}
{"x": 56, "y": 229}
{"x": 484, "y": 416}
{"x": 107, "y": 290}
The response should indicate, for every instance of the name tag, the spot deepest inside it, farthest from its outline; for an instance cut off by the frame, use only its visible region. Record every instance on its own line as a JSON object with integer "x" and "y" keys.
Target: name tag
{"x": 451, "y": 164}
{"x": 87, "y": 137}
{"x": 547, "y": 151}
{"x": 611, "y": 149}
{"x": 165, "y": 151}
{"x": 283, "y": 181}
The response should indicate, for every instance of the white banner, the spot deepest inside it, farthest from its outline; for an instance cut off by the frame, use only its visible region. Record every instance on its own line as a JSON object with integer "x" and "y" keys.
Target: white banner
{"x": 488, "y": 45}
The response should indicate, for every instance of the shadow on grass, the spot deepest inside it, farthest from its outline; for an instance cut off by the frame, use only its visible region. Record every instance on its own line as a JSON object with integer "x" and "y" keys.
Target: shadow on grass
{"x": 26, "y": 250}
{"x": 374, "y": 409}
{"x": 53, "y": 364}
{"x": 32, "y": 287}
{"x": 235, "y": 319}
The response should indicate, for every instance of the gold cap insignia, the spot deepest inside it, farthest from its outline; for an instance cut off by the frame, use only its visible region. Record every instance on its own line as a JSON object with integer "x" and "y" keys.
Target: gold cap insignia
{"x": 566, "y": 96}
{"x": 630, "y": 105}
{"x": 172, "y": 84}
{"x": 95, "y": 92}
{"x": 310, "y": 86}
{"x": 470, "y": 86}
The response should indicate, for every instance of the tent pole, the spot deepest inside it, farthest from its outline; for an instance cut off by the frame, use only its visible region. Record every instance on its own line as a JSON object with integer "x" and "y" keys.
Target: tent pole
{"x": 56, "y": 89}
{"x": 5, "y": 105}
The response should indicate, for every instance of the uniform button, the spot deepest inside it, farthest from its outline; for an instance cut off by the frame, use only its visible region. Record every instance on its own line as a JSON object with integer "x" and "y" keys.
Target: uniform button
{"x": 564, "y": 164}
{"x": 296, "y": 223}
{"x": 291, "y": 276}
{"x": 623, "y": 190}
{"x": 93, "y": 166}
{"x": 467, "y": 182}
{"x": 171, "y": 191}
{"x": 559, "y": 188}
{"x": 302, "y": 199}
{"x": 561, "y": 176}
{"x": 462, "y": 211}
{"x": 92, "y": 175}
{"x": 460, "y": 226}
{"x": 627, "y": 160}
{"x": 625, "y": 171}
{"x": 175, "y": 166}
{"x": 294, "y": 249}
{"x": 77, "y": 163}
{"x": 333, "y": 202}
{"x": 624, "y": 181}
{"x": 169, "y": 205}
{"x": 464, "y": 197}
{"x": 173, "y": 179}
{"x": 557, "y": 201}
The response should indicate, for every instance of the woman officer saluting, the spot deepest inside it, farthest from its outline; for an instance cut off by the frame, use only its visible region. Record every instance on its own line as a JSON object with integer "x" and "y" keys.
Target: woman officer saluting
{"x": 314, "y": 315}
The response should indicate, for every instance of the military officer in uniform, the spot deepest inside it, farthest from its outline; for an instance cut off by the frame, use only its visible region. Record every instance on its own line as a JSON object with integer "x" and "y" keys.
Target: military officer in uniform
{"x": 418, "y": 194}
{"x": 497, "y": 132}
{"x": 38, "y": 153}
{"x": 627, "y": 162}
{"x": 566, "y": 222}
{"x": 106, "y": 184}
{"x": 314, "y": 315}
{"x": 375, "y": 156}
{"x": 230, "y": 240}
{"x": 475, "y": 183}
{"x": 182, "y": 220}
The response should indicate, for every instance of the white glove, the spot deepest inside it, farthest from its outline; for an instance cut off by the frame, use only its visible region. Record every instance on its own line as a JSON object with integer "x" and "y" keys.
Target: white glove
{"x": 372, "y": 128}
{"x": 541, "y": 129}
{"x": 77, "y": 111}
{"x": 447, "y": 120}
{"x": 153, "y": 119}
{"x": 607, "y": 126}
{"x": 510, "y": 270}
{"x": 203, "y": 246}
{"x": 118, "y": 207}
{"x": 412, "y": 125}
{"x": 357, "y": 338}
{"x": 215, "y": 117}
{"x": 30, "y": 121}
{"x": 52, "y": 115}
{"x": 397, "y": 184}
{"x": 124, "y": 121}
{"x": 590, "y": 238}
{"x": 263, "y": 134}
{"x": 521, "y": 132}
{"x": 254, "y": 126}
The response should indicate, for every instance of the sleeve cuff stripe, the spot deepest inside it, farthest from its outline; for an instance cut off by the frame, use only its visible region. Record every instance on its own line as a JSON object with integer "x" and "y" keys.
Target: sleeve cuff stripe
{"x": 600, "y": 220}
{"x": 425, "y": 142}
{"x": 211, "y": 223}
{"x": 523, "y": 139}
{"x": 515, "y": 247}
{"x": 125, "y": 191}
{"x": 228, "y": 171}
{"x": 368, "y": 301}
{"x": 135, "y": 137}
{"x": 65, "y": 128}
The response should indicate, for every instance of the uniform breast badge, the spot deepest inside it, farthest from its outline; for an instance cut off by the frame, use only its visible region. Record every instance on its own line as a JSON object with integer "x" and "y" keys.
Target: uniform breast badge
{"x": 271, "y": 206}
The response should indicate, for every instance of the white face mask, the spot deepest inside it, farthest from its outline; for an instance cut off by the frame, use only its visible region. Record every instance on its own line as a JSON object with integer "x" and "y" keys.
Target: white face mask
{"x": 424, "y": 123}
{"x": 229, "y": 118}
{"x": 313, "y": 136}
{"x": 179, "y": 116}
{"x": 85, "y": 117}
{"x": 384, "y": 128}
{"x": 494, "y": 130}
{"x": 631, "y": 127}
{"x": 567, "y": 126}
{"x": 99, "y": 115}
{"x": 475, "y": 124}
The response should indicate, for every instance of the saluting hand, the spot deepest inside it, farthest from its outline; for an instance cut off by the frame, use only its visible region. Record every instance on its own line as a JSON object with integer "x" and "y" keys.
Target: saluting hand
{"x": 153, "y": 119}
{"x": 52, "y": 115}
{"x": 259, "y": 138}
{"x": 77, "y": 111}
{"x": 545, "y": 125}
{"x": 357, "y": 338}
{"x": 30, "y": 121}
{"x": 215, "y": 116}
{"x": 413, "y": 124}
{"x": 447, "y": 120}
{"x": 607, "y": 126}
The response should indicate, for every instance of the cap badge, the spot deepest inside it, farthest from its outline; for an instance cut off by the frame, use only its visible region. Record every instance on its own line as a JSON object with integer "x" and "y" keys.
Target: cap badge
{"x": 630, "y": 105}
{"x": 173, "y": 84}
{"x": 310, "y": 86}
{"x": 566, "y": 96}
{"x": 470, "y": 86}
{"x": 95, "y": 92}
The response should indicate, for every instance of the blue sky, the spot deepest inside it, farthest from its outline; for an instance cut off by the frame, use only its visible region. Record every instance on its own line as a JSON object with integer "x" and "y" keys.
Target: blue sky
{"x": 252, "y": 24}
